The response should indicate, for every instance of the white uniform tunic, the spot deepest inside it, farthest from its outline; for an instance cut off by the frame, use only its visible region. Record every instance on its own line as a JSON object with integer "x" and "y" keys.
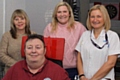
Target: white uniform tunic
{"x": 93, "y": 58}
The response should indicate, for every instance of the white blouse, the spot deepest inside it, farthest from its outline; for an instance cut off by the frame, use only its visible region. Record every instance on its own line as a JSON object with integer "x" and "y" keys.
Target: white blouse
{"x": 92, "y": 57}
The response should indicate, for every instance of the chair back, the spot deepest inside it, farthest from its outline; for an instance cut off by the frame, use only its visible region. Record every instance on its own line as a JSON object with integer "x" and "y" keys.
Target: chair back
{"x": 54, "y": 47}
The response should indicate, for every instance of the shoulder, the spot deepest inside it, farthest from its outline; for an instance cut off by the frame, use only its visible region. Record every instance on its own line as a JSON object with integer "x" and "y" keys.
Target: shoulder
{"x": 58, "y": 72}
{"x": 14, "y": 70}
{"x": 79, "y": 25}
{"x": 54, "y": 66}
{"x": 48, "y": 25}
{"x": 16, "y": 67}
{"x": 7, "y": 33}
{"x": 33, "y": 32}
{"x": 87, "y": 32}
{"x": 85, "y": 35}
{"x": 19, "y": 63}
{"x": 112, "y": 33}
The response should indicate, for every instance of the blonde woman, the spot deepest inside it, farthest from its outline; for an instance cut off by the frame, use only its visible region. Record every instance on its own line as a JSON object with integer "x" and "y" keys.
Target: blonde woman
{"x": 97, "y": 48}
{"x": 64, "y": 26}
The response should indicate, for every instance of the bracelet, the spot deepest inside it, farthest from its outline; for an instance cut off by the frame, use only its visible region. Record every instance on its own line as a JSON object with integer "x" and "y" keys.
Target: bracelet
{"x": 81, "y": 75}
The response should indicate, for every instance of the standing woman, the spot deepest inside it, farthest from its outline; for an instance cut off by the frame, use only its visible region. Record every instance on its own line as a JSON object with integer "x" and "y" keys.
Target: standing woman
{"x": 10, "y": 46}
{"x": 98, "y": 48}
{"x": 64, "y": 26}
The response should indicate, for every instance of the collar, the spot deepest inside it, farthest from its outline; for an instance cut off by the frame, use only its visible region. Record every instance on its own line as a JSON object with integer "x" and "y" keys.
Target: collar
{"x": 102, "y": 33}
{"x": 24, "y": 66}
{"x": 63, "y": 25}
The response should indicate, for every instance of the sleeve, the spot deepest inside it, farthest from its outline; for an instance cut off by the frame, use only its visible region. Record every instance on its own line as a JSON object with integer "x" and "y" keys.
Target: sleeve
{"x": 4, "y": 57}
{"x": 47, "y": 30}
{"x": 78, "y": 46}
{"x": 81, "y": 28}
{"x": 114, "y": 44}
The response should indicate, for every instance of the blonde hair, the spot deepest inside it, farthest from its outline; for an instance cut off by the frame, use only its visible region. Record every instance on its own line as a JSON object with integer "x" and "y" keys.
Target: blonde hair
{"x": 107, "y": 23}
{"x": 54, "y": 22}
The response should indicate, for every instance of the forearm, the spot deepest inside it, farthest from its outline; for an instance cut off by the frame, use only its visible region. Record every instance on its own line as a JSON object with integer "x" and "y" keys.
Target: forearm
{"x": 7, "y": 60}
{"x": 80, "y": 67}
{"x": 79, "y": 64}
{"x": 102, "y": 72}
{"x": 105, "y": 69}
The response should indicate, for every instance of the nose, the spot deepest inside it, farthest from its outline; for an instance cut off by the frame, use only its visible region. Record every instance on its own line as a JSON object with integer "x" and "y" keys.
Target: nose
{"x": 95, "y": 19}
{"x": 34, "y": 50}
{"x": 62, "y": 13}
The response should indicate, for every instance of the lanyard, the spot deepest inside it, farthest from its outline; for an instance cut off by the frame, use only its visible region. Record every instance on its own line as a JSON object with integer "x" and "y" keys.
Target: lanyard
{"x": 96, "y": 45}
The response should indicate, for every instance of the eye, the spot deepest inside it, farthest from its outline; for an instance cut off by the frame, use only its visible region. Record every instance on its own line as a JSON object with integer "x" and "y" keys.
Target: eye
{"x": 16, "y": 19}
{"x": 59, "y": 12}
{"x": 29, "y": 47}
{"x": 92, "y": 16}
{"x": 38, "y": 47}
{"x": 98, "y": 16}
{"x": 65, "y": 11}
{"x": 22, "y": 18}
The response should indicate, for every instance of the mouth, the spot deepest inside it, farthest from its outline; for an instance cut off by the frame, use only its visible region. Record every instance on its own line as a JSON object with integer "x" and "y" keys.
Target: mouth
{"x": 33, "y": 55}
{"x": 20, "y": 25}
{"x": 96, "y": 22}
{"x": 63, "y": 17}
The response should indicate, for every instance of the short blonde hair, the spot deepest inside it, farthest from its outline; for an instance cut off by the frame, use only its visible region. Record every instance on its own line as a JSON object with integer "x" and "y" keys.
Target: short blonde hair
{"x": 54, "y": 18}
{"x": 107, "y": 23}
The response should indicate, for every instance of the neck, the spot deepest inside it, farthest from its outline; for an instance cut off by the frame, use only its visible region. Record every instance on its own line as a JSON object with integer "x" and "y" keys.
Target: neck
{"x": 34, "y": 67}
{"x": 20, "y": 31}
{"x": 97, "y": 32}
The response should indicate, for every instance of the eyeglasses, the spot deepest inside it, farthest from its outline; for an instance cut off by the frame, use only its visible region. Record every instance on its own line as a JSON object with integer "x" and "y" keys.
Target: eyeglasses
{"x": 96, "y": 45}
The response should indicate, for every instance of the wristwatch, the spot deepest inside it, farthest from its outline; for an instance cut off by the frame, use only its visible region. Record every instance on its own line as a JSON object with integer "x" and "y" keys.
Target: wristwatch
{"x": 81, "y": 75}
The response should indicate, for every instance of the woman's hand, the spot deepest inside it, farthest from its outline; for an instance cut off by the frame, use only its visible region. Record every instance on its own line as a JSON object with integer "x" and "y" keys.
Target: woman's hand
{"x": 83, "y": 78}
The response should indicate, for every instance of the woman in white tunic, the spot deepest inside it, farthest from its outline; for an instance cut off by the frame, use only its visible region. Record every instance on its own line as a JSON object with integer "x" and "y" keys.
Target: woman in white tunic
{"x": 98, "y": 47}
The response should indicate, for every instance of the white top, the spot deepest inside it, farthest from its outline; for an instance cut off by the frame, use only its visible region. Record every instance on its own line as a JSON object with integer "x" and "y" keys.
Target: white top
{"x": 92, "y": 57}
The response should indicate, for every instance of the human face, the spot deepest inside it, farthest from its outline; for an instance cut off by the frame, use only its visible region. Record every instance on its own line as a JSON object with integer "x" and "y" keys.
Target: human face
{"x": 34, "y": 50}
{"x": 62, "y": 14}
{"x": 96, "y": 19}
{"x": 20, "y": 23}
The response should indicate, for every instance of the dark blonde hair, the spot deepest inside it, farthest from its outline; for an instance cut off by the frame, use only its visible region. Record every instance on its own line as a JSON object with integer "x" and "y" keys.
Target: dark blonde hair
{"x": 54, "y": 22}
{"x": 107, "y": 23}
{"x": 20, "y": 13}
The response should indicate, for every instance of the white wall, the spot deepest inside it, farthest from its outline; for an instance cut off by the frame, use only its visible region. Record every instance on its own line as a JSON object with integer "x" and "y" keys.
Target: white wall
{"x": 10, "y": 6}
{"x": 1, "y": 17}
{"x": 6, "y": 9}
{"x": 39, "y": 12}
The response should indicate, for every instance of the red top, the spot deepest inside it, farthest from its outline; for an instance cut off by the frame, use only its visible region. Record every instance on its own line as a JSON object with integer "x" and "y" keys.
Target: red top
{"x": 50, "y": 71}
